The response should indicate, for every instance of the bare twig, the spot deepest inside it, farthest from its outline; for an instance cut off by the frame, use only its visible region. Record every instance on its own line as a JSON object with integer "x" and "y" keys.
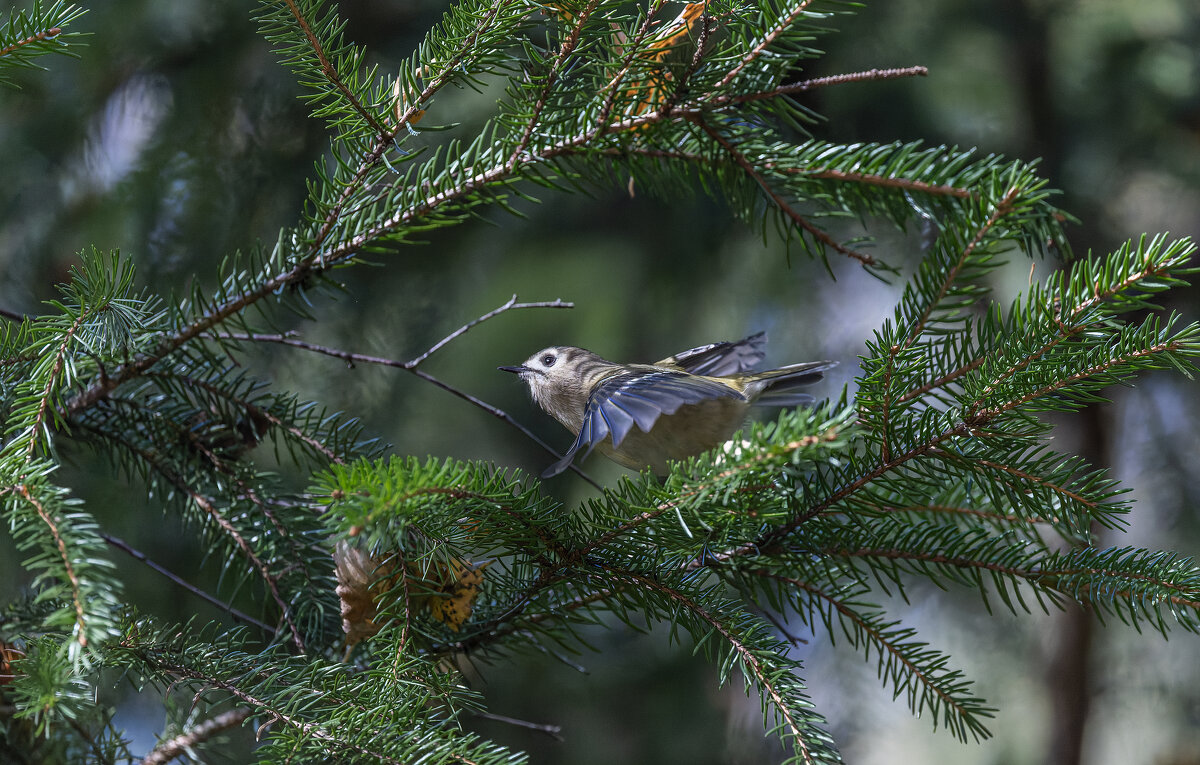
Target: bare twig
{"x": 511, "y": 305}
{"x": 172, "y": 748}
{"x": 819, "y": 82}
{"x": 138, "y": 555}
{"x": 553, "y": 731}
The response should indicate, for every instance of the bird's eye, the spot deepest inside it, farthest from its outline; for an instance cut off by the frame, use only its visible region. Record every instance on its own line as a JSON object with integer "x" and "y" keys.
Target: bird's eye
{"x": 549, "y": 359}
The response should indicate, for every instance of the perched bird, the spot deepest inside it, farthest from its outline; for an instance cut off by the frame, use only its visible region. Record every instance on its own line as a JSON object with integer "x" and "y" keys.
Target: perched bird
{"x": 643, "y": 415}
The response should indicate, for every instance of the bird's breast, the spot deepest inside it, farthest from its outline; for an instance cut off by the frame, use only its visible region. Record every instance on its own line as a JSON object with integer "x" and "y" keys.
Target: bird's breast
{"x": 691, "y": 430}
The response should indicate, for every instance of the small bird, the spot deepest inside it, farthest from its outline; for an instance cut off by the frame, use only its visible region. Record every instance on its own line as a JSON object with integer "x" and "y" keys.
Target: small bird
{"x": 681, "y": 406}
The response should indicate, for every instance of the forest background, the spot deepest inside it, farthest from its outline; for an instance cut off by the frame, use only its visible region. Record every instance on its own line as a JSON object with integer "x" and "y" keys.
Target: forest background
{"x": 178, "y": 138}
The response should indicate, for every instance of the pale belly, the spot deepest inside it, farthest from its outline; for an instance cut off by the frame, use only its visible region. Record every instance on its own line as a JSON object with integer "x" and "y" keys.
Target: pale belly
{"x": 690, "y": 431}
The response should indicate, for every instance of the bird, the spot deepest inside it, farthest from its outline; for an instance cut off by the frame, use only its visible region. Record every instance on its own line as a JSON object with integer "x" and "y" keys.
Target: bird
{"x": 646, "y": 415}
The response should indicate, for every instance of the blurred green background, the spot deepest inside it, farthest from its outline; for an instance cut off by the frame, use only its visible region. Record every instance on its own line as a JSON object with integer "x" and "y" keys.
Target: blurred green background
{"x": 179, "y": 139}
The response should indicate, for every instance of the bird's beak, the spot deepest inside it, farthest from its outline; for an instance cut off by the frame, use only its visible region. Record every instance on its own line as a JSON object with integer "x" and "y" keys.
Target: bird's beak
{"x": 520, "y": 368}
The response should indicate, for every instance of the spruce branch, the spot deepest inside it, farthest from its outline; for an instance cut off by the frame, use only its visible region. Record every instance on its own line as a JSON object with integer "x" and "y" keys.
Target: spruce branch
{"x": 330, "y": 71}
{"x": 908, "y": 665}
{"x": 881, "y": 181}
{"x": 633, "y": 52}
{"x": 66, "y": 558}
{"x": 997, "y": 211}
{"x": 209, "y": 510}
{"x": 783, "y": 24}
{"x": 578, "y": 21}
{"x": 776, "y": 683}
{"x": 783, "y": 206}
{"x": 27, "y": 35}
{"x": 254, "y": 411}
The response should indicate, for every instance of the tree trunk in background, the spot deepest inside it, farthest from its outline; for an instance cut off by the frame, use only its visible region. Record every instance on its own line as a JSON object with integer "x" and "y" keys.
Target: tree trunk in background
{"x": 1068, "y": 673}
{"x": 1068, "y": 670}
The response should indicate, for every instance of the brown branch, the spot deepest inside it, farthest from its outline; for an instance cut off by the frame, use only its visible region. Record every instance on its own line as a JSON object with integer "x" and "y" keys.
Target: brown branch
{"x": 942, "y": 381}
{"x": 820, "y": 82}
{"x": 72, "y": 577}
{"x": 181, "y": 744}
{"x": 511, "y": 305}
{"x": 553, "y": 731}
{"x": 768, "y": 39}
{"x": 568, "y": 47}
{"x": 748, "y": 167}
{"x": 44, "y": 35}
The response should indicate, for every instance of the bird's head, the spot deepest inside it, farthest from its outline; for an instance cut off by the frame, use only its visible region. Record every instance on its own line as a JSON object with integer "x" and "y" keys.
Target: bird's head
{"x": 561, "y": 377}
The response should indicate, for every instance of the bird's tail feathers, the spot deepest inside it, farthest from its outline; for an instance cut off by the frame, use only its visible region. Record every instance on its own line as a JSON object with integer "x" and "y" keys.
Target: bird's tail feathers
{"x": 780, "y": 386}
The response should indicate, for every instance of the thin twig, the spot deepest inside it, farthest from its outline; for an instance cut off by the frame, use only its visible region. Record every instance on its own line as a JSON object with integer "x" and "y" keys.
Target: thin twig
{"x": 11, "y": 315}
{"x": 819, "y": 82}
{"x": 172, "y": 748}
{"x": 511, "y": 305}
{"x": 553, "y": 731}
{"x": 140, "y": 556}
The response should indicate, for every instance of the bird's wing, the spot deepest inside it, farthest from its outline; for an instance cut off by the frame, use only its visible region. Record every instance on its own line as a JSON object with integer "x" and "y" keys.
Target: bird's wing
{"x": 636, "y": 398}
{"x": 721, "y": 359}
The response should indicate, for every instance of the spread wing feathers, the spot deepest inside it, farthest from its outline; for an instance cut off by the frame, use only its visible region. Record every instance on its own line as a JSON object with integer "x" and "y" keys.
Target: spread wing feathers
{"x": 636, "y": 398}
{"x": 720, "y": 359}
{"x": 780, "y": 385}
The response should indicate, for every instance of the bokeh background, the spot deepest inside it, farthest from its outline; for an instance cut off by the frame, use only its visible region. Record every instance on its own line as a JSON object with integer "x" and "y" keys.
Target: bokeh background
{"x": 178, "y": 139}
